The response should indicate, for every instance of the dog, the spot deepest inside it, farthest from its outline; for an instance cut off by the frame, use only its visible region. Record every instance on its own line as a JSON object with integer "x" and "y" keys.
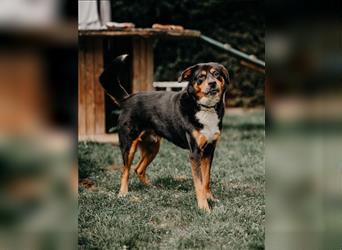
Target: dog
{"x": 191, "y": 119}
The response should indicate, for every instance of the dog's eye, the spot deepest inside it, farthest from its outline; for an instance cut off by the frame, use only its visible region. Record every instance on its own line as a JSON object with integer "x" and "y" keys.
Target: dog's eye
{"x": 216, "y": 74}
{"x": 200, "y": 79}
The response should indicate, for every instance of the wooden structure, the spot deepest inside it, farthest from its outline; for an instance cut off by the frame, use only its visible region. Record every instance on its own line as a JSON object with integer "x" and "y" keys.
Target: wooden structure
{"x": 96, "y": 49}
{"x": 169, "y": 86}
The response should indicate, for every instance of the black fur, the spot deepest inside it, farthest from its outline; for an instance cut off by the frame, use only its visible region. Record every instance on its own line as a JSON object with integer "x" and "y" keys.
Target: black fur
{"x": 170, "y": 115}
{"x": 110, "y": 81}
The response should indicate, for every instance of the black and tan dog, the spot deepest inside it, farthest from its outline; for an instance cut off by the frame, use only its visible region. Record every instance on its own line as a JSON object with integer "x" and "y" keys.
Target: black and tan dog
{"x": 191, "y": 119}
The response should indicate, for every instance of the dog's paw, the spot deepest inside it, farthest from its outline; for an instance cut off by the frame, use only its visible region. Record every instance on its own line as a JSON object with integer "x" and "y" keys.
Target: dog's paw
{"x": 144, "y": 180}
{"x": 204, "y": 206}
{"x": 122, "y": 194}
{"x": 206, "y": 209}
{"x": 211, "y": 197}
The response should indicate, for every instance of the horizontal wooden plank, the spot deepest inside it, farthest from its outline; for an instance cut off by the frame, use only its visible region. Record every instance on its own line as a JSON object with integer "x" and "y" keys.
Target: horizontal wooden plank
{"x": 170, "y": 84}
{"x": 144, "y": 32}
{"x": 103, "y": 138}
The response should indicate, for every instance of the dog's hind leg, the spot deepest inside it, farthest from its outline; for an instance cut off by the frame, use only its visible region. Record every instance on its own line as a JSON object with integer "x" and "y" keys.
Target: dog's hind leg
{"x": 128, "y": 148}
{"x": 149, "y": 148}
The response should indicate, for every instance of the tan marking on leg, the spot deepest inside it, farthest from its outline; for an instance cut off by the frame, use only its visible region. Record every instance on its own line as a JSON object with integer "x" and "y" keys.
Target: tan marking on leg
{"x": 217, "y": 136}
{"x": 149, "y": 148}
{"x": 201, "y": 139}
{"x": 200, "y": 195}
{"x": 206, "y": 168}
{"x": 125, "y": 173}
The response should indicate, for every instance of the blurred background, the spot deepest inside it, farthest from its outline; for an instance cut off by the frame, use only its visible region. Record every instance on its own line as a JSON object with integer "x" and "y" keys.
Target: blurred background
{"x": 38, "y": 105}
{"x": 303, "y": 132}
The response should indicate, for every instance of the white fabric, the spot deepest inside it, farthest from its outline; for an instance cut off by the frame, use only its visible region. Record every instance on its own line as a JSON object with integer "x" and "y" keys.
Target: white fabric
{"x": 88, "y": 17}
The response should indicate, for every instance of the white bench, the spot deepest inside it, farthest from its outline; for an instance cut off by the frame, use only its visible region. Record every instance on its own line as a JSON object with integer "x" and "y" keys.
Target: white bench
{"x": 170, "y": 86}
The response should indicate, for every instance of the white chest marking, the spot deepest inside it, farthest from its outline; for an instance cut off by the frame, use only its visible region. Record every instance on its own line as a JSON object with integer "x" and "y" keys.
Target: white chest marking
{"x": 210, "y": 121}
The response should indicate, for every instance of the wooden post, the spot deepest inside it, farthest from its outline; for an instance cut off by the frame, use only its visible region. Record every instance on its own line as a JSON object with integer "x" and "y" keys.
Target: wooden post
{"x": 99, "y": 92}
{"x": 91, "y": 104}
{"x": 89, "y": 87}
{"x": 142, "y": 64}
{"x": 81, "y": 88}
{"x": 91, "y": 100}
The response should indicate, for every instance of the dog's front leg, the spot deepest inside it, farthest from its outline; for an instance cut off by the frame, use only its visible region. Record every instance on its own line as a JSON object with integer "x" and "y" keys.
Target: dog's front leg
{"x": 206, "y": 161}
{"x": 196, "y": 169}
{"x": 196, "y": 165}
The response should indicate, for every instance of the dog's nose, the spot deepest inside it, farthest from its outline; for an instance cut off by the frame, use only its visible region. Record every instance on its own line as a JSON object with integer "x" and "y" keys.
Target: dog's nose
{"x": 212, "y": 84}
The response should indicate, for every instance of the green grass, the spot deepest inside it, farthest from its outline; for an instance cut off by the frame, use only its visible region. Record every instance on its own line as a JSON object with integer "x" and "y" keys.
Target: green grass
{"x": 165, "y": 215}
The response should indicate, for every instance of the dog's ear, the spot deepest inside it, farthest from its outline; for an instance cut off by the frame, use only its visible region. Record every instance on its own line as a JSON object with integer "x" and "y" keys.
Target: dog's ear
{"x": 225, "y": 73}
{"x": 187, "y": 73}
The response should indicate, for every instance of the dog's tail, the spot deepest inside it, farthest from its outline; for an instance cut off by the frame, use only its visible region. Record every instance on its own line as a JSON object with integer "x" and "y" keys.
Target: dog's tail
{"x": 110, "y": 81}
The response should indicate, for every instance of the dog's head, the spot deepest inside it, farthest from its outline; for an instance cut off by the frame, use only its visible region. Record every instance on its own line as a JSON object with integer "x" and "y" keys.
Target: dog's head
{"x": 207, "y": 82}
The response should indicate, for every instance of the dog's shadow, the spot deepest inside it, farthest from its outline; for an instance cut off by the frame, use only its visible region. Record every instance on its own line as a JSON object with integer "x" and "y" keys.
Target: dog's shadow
{"x": 167, "y": 183}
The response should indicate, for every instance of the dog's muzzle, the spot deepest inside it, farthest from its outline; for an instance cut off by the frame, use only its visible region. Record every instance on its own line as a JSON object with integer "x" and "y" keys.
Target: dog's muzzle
{"x": 212, "y": 90}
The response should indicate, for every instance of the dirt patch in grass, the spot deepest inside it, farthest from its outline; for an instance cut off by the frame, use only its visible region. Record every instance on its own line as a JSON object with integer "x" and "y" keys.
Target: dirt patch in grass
{"x": 87, "y": 184}
{"x": 114, "y": 168}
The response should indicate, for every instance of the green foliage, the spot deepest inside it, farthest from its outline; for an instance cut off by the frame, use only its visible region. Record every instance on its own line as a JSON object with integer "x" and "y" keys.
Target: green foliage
{"x": 240, "y": 24}
{"x": 164, "y": 215}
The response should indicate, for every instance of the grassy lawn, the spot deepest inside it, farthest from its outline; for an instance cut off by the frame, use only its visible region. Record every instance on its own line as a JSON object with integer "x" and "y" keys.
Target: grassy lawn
{"x": 165, "y": 215}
